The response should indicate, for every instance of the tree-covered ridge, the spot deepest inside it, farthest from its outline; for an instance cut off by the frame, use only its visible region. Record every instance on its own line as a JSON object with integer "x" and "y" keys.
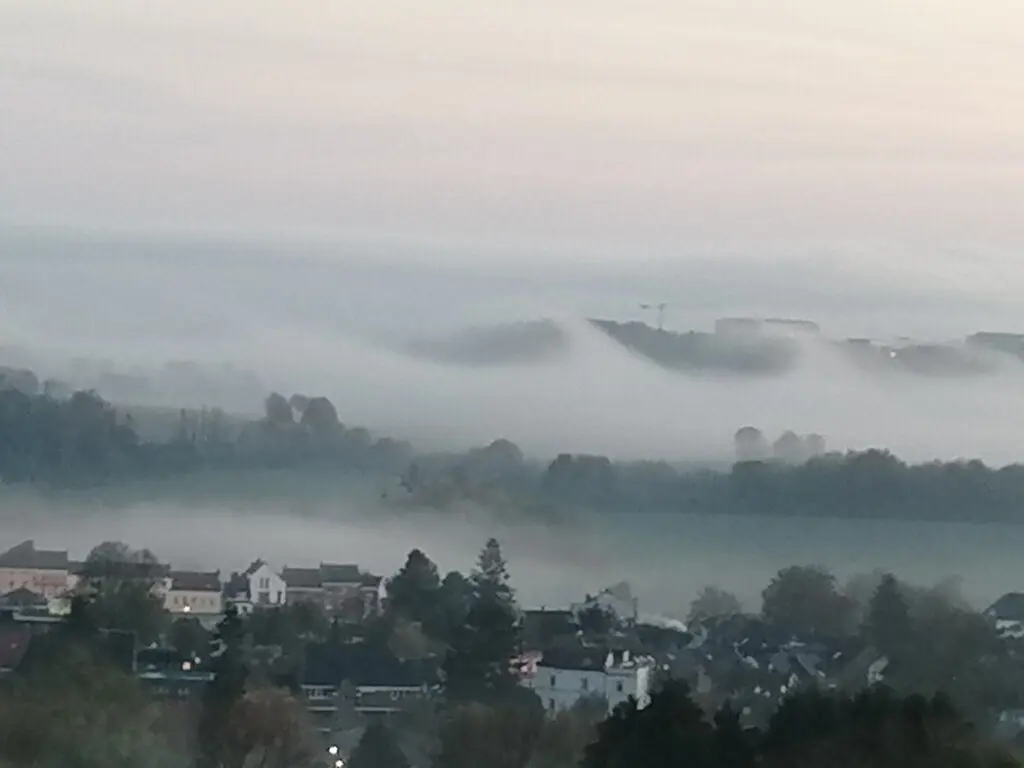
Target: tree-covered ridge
{"x": 856, "y": 485}
{"x": 83, "y": 440}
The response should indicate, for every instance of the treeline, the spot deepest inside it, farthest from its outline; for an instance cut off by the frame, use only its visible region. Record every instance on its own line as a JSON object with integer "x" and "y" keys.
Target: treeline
{"x": 811, "y": 729}
{"x": 857, "y": 485}
{"x": 82, "y": 439}
{"x": 870, "y": 484}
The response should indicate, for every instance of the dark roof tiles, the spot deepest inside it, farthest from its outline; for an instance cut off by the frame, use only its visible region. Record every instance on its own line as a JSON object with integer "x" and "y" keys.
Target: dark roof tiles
{"x": 25, "y": 555}
{"x": 195, "y": 581}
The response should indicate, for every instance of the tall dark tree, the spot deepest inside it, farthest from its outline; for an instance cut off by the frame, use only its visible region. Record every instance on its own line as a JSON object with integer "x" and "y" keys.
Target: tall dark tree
{"x": 277, "y": 410}
{"x": 121, "y": 585}
{"x": 713, "y": 603}
{"x": 888, "y": 625}
{"x": 223, "y": 693}
{"x": 597, "y": 620}
{"x": 188, "y": 637}
{"x": 479, "y": 662}
{"x": 501, "y": 734}
{"x": 320, "y": 417}
{"x": 874, "y": 728}
{"x": 804, "y": 599}
{"x": 456, "y": 596}
{"x": 414, "y": 593}
{"x": 377, "y": 749}
{"x": 672, "y": 730}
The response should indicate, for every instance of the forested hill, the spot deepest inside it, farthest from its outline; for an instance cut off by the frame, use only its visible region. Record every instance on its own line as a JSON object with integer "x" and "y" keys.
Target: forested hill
{"x": 83, "y": 440}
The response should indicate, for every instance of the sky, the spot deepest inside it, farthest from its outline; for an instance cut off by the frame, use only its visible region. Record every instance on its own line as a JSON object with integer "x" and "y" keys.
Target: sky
{"x": 299, "y": 189}
{"x": 585, "y": 131}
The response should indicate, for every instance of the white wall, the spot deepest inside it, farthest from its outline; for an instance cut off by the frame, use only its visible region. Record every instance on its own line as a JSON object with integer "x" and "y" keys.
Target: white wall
{"x": 185, "y": 601}
{"x": 45, "y": 582}
{"x": 560, "y": 689}
{"x": 265, "y": 581}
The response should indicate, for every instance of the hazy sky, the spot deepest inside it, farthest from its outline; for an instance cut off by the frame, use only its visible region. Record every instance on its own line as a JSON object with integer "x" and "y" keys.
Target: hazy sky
{"x": 647, "y": 125}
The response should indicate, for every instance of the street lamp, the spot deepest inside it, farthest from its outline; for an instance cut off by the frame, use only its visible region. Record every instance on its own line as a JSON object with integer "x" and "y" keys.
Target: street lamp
{"x": 332, "y": 750}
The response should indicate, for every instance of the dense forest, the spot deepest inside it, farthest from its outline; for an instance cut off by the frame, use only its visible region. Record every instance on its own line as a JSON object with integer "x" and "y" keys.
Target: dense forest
{"x": 81, "y": 440}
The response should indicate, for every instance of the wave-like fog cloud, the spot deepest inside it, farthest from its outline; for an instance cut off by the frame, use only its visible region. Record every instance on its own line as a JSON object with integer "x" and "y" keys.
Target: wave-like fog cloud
{"x": 320, "y": 323}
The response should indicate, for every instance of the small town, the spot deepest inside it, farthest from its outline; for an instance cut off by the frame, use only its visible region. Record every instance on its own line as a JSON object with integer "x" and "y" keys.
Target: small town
{"x": 356, "y": 648}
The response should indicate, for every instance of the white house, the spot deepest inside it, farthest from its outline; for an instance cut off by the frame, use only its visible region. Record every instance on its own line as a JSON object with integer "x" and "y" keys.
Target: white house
{"x": 562, "y": 678}
{"x": 266, "y": 587}
{"x": 257, "y": 586}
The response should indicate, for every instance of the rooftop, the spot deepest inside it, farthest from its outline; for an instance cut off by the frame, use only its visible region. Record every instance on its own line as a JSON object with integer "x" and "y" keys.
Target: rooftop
{"x": 195, "y": 581}
{"x": 583, "y": 659}
{"x": 254, "y": 566}
{"x": 25, "y": 555}
{"x": 335, "y": 573}
{"x": 1010, "y": 607}
{"x": 302, "y": 578}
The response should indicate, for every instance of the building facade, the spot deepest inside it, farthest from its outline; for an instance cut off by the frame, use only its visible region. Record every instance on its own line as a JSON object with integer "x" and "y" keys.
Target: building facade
{"x": 561, "y": 680}
{"x": 194, "y": 593}
{"x": 44, "y": 572}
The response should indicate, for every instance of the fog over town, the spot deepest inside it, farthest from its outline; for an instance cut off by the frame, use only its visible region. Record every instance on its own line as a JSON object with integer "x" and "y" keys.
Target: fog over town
{"x": 432, "y": 384}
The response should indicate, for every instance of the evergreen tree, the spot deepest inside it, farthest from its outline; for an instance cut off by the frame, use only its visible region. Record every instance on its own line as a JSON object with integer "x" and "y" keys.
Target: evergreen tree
{"x": 888, "y": 624}
{"x": 377, "y": 749}
{"x": 414, "y": 592}
{"x": 479, "y": 662}
{"x": 225, "y": 691}
{"x": 672, "y": 730}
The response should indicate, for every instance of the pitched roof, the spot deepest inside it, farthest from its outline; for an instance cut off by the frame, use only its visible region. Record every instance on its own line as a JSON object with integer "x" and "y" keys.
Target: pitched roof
{"x": 25, "y": 555}
{"x": 336, "y": 573}
{"x": 586, "y": 659}
{"x": 1010, "y": 607}
{"x": 302, "y": 578}
{"x": 195, "y": 581}
{"x": 254, "y": 566}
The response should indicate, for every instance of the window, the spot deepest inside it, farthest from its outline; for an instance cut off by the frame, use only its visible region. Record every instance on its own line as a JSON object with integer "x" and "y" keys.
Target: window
{"x": 551, "y": 704}
{"x": 619, "y": 686}
{"x": 553, "y": 681}
{"x": 265, "y": 582}
{"x": 585, "y": 683}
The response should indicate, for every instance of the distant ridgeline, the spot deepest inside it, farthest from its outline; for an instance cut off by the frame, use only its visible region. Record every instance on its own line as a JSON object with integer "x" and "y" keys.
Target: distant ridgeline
{"x": 749, "y": 346}
{"x": 82, "y": 440}
{"x": 871, "y": 484}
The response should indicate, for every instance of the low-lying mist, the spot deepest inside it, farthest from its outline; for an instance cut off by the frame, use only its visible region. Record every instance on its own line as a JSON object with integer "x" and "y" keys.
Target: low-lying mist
{"x": 341, "y": 326}
{"x": 665, "y": 558}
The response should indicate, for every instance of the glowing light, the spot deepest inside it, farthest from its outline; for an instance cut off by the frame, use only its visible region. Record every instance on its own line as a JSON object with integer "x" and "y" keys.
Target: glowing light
{"x": 332, "y": 750}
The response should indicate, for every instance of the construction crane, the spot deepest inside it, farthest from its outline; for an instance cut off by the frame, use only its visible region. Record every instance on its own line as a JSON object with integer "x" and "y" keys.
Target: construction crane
{"x": 661, "y": 312}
